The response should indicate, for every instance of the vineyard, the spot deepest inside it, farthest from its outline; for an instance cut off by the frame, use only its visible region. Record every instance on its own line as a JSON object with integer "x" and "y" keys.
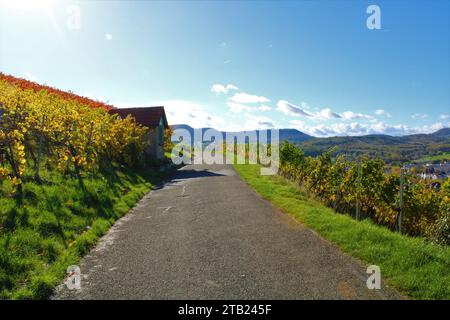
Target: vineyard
{"x": 25, "y": 85}
{"x": 69, "y": 135}
{"x": 68, "y": 171}
{"x": 364, "y": 190}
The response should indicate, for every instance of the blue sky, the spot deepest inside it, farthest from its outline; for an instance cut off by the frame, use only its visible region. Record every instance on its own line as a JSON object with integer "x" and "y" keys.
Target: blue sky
{"x": 310, "y": 65}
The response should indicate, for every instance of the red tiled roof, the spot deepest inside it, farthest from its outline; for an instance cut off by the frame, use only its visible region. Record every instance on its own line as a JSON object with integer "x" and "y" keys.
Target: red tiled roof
{"x": 148, "y": 116}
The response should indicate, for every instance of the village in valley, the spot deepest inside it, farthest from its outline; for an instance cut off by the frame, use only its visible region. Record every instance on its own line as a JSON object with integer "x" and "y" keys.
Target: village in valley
{"x": 430, "y": 171}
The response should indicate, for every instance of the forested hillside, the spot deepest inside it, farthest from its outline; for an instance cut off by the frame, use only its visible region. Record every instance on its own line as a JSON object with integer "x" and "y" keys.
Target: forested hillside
{"x": 394, "y": 150}
{"x": 391, "y": 149}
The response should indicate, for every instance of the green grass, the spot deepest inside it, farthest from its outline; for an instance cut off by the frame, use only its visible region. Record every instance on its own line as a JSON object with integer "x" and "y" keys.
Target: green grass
{"x": 416, "y": 268}
{"x": 440, "y": 157}
{"x": 57, "y": 222}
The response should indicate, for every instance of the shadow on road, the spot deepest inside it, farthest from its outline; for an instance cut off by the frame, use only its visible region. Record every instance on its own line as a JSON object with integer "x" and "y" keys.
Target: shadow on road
{"x": 191, "y": 174}
{"x": 188, "y": 174}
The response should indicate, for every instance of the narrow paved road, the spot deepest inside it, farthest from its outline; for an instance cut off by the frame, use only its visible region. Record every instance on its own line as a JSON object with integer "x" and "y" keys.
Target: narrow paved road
{"x": 206, "y": 235}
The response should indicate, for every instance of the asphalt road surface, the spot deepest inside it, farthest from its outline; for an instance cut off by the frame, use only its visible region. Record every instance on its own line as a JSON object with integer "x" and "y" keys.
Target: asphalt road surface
{"x": 205, "y": 234}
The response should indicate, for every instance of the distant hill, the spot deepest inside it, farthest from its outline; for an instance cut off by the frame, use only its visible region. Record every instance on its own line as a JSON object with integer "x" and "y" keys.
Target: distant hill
{"x": 442, "y": 133}
{"x": 392, "y": 149}
{"x": 291, "y": 135}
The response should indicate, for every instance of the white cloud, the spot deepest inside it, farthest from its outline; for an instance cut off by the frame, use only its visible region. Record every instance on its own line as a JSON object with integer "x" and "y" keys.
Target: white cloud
{"x": 196, "y": 115}
{"x": 444, "y": 116}
{"x": 290, "y": 109}
{"x": 358, "y": 129}
{"x": 431, "y": 128}
{"x": 350, "y": 115}
{"x": 259, "y": 123}
{"x": 263, "y": 108}
{"x": 298, "y": 124}
{"x": 327, "y": 114}
{"x": 220, "y": 88}
{"x": 108, "y": 36}
{"x": 28, "y": 76}
{"x": 381, "y": 112}
{"x": 422, "y": 116}
{"x": 184, "y": 112}
{"x": 239, "y": 107}
{"x": 395, "y": 130}
{"x": 304, "y": 105}
{"x": 248, "y": 98}
{"x": 191, "y": 113}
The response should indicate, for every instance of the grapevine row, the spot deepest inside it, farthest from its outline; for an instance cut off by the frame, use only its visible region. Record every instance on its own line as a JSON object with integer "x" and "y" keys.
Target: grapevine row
{"x": 364, "y": 186}
{"x": 67, "y": 133}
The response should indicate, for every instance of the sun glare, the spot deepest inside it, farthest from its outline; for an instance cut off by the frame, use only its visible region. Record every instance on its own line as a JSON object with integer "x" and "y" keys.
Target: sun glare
{"x": 27, "y": 4}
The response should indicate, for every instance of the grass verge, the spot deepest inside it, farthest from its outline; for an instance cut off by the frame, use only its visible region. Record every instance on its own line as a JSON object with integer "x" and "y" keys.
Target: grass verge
{"x": 56, "y": 222}
{"x": 445, "y": 156}
{"x": 416, "y": 268}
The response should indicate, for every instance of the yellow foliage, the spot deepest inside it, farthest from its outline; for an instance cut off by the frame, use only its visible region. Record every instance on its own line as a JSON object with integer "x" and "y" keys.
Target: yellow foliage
{"x": 73, "y": 132}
